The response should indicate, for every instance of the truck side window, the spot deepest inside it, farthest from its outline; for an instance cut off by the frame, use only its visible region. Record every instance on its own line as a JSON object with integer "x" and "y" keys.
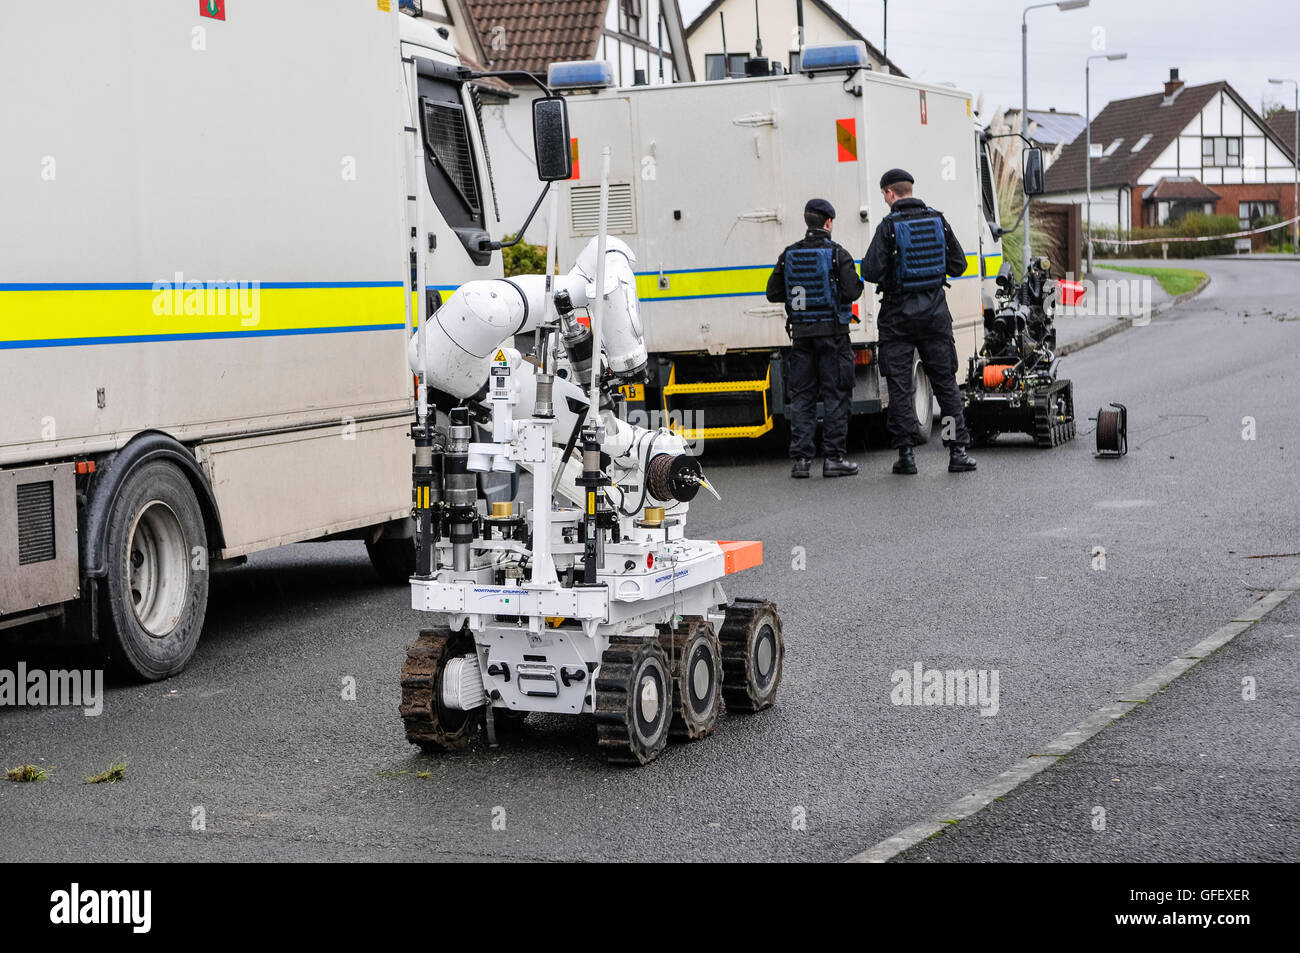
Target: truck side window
{"x": 450, "y": 167}
{"x": 487, "y": 153}
{"x": 988, "y": 198}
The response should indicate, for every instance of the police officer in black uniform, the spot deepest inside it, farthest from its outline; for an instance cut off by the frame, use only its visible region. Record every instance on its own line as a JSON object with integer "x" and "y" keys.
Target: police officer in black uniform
{"x": 818, "y": 282}
{"x": 912, "y": 254}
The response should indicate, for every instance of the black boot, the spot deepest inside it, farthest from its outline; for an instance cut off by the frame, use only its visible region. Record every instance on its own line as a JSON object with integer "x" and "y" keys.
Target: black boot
{"x": 838, "y": 466}
{"x": 799, "y": 470}
{"x": 958, "y": 462}
{"x": 906, "y": 462}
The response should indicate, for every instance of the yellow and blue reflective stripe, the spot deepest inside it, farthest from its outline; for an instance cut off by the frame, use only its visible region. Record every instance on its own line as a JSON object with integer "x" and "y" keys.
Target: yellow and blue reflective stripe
{"x": 748, "y": 280}
{"x": 90, "y": 313}
{"x": 694, "y": 283}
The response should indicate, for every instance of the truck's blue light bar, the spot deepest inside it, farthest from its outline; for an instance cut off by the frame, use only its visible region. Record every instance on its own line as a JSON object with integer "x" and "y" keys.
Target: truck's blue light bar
{"x": 581, "y": 74}
{"x": 851, "y": 54}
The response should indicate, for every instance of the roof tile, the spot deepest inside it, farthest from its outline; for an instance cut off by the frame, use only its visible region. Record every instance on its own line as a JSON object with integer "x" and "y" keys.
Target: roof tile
{"x": 1283, "y": 124}
{"x": 1181, "y": 187}
{"x": 532, "y": 34}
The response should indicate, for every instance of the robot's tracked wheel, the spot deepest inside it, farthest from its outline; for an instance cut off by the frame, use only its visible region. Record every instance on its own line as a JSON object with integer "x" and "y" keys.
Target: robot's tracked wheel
{"x": 429, "y": 723}
{"x": 753, "y": 651}
{"x": 695, "y": 661}
{"x": 1054, "y": 415}
{"x": 633, "y": 700}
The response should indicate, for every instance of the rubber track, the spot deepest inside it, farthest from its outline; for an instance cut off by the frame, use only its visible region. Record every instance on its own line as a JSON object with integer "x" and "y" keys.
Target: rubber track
{"x": 675, "y": 645}
{"x": 1049, "y": 429}
{"x": 424, "y": 660}
{"x": 734, "y": 639}
{"x": 613, "y": 708}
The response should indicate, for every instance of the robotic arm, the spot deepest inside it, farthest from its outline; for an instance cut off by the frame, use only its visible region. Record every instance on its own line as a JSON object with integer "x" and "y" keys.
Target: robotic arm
{"x": 470, "y": 341}
{"x": 466, "y": 332}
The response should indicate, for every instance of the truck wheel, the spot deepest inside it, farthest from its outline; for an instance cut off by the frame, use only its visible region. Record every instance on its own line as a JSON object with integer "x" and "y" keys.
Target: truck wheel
{"x": 393, "y": 559}
{"x": 924, "y": 399}
{"x": 157, "y": 581}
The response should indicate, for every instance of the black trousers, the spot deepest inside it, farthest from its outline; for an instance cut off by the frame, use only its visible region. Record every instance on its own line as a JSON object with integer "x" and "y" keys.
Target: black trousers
{"x": 931, "y": 338}
{"x": 820, "y": 368}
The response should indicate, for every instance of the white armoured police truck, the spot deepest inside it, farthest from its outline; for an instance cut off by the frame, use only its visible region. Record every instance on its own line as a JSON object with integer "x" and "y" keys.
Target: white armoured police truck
{"x": 219, "y": 224}
{"x": 709, "y": 183}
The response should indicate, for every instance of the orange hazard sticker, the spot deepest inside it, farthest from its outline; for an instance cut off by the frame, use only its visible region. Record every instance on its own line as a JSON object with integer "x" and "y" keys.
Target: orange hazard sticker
{"x": 846, "y": 138}
{"x": 573, "y": 151}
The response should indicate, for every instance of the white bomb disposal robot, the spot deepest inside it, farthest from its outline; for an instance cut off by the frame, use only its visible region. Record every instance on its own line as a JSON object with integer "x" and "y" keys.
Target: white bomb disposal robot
{"x": 593, "y": 600}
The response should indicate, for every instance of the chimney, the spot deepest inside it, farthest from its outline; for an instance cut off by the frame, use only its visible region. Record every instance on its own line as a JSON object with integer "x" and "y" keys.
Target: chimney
{"x": 1174, "y": 84}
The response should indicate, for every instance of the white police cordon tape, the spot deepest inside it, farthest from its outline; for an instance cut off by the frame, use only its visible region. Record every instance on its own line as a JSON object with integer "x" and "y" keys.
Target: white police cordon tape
{"x": 1196, "y": 238}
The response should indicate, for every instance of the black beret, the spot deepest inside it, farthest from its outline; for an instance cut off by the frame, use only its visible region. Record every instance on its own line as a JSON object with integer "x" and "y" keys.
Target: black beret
{"x": 820, "y": 207}
{"x": 895, "y": 175}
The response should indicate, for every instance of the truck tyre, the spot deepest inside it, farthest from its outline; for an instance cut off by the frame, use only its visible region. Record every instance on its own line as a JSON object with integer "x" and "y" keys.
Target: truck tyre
{"x": 924, "y": 399}
{"x": 393, "y": 559}
{"x": 156, "y": 586}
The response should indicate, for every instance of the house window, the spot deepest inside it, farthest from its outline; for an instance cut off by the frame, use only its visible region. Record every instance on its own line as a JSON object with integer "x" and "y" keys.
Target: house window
{"x": 632, "y": 16}
{"x": 713, "y": 68}
{"x": 1110, "y": 149}
{"x": 1249, "y": 213}
{"x": 1222, "y": 151}
{"x": 1169, "y": 211}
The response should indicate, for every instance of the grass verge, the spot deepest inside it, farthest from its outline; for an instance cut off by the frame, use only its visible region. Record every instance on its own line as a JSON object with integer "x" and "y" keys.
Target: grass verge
{"x": 1175, "y": 281}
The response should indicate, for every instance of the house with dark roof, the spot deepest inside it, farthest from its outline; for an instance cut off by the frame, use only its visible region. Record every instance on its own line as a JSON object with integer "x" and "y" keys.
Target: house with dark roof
{"x": 643, "y": 40}
{"x": 774, "y": 25}
{"x": 1186, "y": 148}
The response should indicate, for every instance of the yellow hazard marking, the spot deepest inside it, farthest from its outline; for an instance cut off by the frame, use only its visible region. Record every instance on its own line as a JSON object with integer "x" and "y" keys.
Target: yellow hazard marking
{"x": 633, "y": 391}
{"x": 385, "y": 6}
{"x": 501, "y": 356}
{"x": 591, "y": 504}
{"x": 555, "y": 621}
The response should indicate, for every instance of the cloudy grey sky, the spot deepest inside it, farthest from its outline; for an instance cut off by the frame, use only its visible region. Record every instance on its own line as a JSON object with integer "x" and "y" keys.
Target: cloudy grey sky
{"x": 976, "y": 45}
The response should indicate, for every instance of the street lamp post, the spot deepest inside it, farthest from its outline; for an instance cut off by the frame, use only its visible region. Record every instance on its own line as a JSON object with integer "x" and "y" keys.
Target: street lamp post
{"x": 1024, "y": 94}
{"x": 1087, "y": 120}
{"x": 1295, "y": 161}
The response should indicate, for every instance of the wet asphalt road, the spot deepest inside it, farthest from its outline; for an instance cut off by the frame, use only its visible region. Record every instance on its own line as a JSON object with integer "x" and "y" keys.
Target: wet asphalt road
{"x": 1205, "y": 772}
{"x": 991, "y": 570}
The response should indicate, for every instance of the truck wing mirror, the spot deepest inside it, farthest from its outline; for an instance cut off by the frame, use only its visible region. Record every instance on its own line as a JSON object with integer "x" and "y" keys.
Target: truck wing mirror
{"x": 1034, "y": 171}
{"x": 551, "y": 139}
